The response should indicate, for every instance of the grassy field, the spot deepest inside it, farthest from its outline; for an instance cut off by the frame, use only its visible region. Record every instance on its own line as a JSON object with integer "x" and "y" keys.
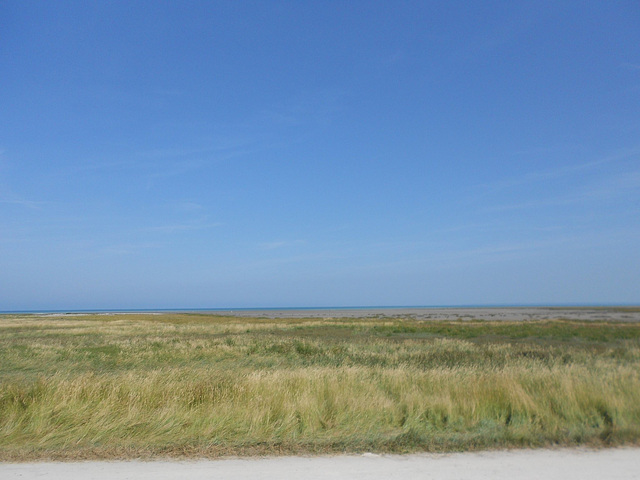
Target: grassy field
{"x": 123, "y": 386}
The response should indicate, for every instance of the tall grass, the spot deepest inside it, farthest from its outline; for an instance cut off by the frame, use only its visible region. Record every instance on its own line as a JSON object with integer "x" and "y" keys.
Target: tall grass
{"x": 205, "y": 386}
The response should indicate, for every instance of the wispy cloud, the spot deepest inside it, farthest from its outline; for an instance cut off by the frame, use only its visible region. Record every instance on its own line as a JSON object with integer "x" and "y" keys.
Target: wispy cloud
{"x": 556, "y": 173}
{"x": 601, "y": 189}
{"x": 9, "y": 197}
{"x": 501, "y": 251}
{"x": 166, "y": 162}
{"x": 308, "y": 110}
{"x": 176, "y": 152}
{"x": 13, "y": 199}
{"x": 317, "y": 259}
{"x": 188, "y": 206}
{"x": 129, "y": 248}
{"x": 279, "y": 244}
{"x": 181, "y": 227}
{"x": 22, "y": 202}
{"x": 175, "y": 166}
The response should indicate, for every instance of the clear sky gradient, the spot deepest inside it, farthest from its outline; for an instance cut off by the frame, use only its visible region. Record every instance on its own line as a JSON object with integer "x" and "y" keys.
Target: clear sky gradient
{"x": 281, "y": 154}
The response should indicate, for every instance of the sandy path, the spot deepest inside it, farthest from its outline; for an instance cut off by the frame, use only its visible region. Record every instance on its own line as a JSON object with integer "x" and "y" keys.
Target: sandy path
{"x": 565, "y": 464}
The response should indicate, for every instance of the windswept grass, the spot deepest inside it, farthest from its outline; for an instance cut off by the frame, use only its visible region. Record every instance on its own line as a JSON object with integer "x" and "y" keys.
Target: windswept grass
{"x": 203, "y": 385}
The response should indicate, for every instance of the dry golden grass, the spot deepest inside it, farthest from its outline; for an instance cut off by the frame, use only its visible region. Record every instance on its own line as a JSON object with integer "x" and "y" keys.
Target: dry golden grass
{"x": 201, "y": 385}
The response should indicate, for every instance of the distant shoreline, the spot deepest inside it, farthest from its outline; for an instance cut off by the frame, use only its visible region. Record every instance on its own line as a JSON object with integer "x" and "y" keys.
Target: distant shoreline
{"x": 331, "y": 308}
{"x": 628, "y": 313}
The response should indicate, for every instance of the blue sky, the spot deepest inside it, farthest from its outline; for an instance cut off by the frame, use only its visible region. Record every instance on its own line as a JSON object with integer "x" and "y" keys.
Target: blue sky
{"x": 271, "y": 154}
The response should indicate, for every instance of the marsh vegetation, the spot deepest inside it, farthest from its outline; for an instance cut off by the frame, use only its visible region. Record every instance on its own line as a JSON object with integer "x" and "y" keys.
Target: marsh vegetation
{"x": 99, "y": 386}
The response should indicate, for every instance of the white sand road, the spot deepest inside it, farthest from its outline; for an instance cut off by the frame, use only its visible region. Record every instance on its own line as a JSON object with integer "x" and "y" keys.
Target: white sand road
{"x": 565, "y": 464}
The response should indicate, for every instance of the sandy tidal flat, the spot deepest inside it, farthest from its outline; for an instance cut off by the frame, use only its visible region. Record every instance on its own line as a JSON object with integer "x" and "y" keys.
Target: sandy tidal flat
{"x": 619, "y": 314}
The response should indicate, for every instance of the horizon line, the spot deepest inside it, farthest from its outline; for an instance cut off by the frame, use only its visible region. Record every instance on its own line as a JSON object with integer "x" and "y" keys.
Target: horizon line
{"x": 351, "y": 307}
